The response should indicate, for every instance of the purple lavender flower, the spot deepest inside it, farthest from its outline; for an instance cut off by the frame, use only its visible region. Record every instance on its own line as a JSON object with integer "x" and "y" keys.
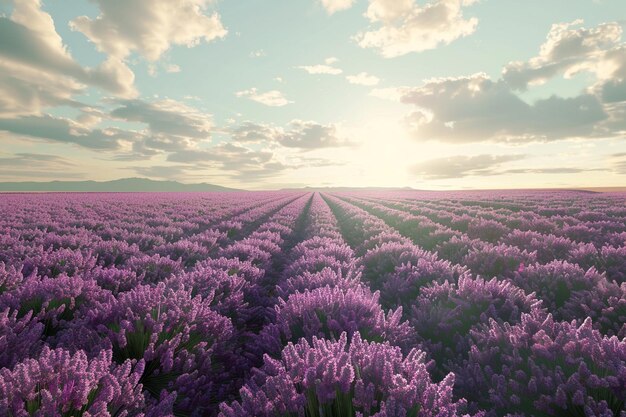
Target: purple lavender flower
{"x": 547, "y": 247}
{"x": 558, "y": 284}
{"x": 403, "y": 286}
{"x": 114, "y": 252}
{"x": 19, "y": 337}
{"x": 10, "y": 277}
{"x": 225, "y": 291}
{"x": 252, "y": 252}
{"x": 334, "y": 378}
{"x": 58, "y": 383}
{"x": 613, "y": 261}
{"x": 174, "y": 333}
{"x": 62, "y": 261}
{"x": 500, "y": 261}
{"x": 327, "y": 312}
{"x": 486, "y": 230}
{"x": 380, "y": 263}
{"x": 328, "y": 276}
{"x": 154, "y": 268}
{"x": 114, "y": 279}
{"x": 444, "y": 314}
{"x": 55, "y": 302}
{"x": 544, "y": 366}
{"x": 456, "y": 248}
{"x": 185, "y": 251}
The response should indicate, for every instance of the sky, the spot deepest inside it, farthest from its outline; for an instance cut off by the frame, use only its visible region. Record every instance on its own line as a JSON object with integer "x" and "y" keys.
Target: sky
{"x": 267, "y": 94}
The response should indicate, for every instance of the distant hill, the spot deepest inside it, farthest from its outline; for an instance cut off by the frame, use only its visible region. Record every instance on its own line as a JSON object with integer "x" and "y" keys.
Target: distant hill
{"x": 121, "y": 185}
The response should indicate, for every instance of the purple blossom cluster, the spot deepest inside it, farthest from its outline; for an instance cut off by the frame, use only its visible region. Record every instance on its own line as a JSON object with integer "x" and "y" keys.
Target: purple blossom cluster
{"x": 334, "y": 378}
{"x": 372, "y": 304}
{"x": 443, "y": 315}
{"x": 545, "y": 367}
{"x": 59, "y": 383}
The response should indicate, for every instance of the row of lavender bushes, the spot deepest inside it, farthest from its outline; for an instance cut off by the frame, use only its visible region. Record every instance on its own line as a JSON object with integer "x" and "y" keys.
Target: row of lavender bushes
{"x": 284, "y": 304}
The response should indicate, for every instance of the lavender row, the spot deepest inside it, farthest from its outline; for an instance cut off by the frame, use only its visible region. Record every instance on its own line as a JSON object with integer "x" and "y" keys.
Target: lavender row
{"x": 455, "y": 322}
{"x": 316, "y": 361}
{"x": 173, "y": 335}
{"x": 585, "y": 237}
{"x": 568, "y": 290}
{"x": 306, "y": 305}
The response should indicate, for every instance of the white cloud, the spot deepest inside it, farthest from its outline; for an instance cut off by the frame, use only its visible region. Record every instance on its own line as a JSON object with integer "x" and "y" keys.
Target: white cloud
{"x": 90, "y": 117}
{"x": 153, "y": 68}
{"x": 166, "y": 117}
{"x": 321, "y": 69}
{"x": 149, "y": 27}
{"x": 407, "y": 27}
{"x": 325, "y": 68}
{"x": 389, "y": 93}
{"x": 363, "y": 78}
{"x": 62, "y": 130}
{"x": 306, "y": 135}
{"x": 333, "y": 6}
{"x": 239, "y": 161}
{"x": 36, "y": 69}
{"x": 170, "y": 126}
{"x": 273, "y": 98}
{"x": 570, "y": 49}
{"x": 475, "y": 108}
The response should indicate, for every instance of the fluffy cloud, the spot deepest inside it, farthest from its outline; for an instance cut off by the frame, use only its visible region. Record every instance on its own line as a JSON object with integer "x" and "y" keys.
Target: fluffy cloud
{"x": 166, "y": 117}
{"x": 389, "y": 93}
{"x": 310, "y": 135}
{"x": 333, "y": 6}
{"x": 273, "y": 98}
{"x": 170, "y": 126}
{"x": 325, "y": 68}
{"x": 321, "y": 69}
{"x": 570, "y": 49}
{"x": 36, "y": 70}
{"x": 149, "y": 27}
{"x": 363, "y": 78}
{"x": 405, "y": 26}
{"x": 26, "y": 91}
{"x": 462, "y": 166}
{"x": 63, "y": 130}
{"x": 305, "y": 135}
{"x": 475, "y": 108}
{"x": 239, "y": 161}
{"x": 250, "y": 132}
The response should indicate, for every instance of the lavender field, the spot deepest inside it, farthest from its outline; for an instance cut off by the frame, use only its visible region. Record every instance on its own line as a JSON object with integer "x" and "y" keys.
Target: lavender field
{"x": 328, "y": 304}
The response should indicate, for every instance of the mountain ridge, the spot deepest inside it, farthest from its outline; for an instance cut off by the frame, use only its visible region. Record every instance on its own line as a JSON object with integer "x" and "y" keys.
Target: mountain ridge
{"x": 119, "y": 185}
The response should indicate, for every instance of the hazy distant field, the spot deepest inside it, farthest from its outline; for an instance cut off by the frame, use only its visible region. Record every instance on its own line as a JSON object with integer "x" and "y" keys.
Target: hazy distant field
{"x": 291, "y": 303}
